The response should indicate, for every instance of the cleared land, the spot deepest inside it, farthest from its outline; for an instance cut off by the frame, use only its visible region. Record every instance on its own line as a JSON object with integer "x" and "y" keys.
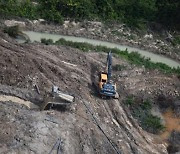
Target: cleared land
{"x": 31, "y": 131}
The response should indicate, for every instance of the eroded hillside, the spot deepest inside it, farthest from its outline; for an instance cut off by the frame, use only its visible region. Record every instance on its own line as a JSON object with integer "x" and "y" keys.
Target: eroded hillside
{"x": 113, "y": 130}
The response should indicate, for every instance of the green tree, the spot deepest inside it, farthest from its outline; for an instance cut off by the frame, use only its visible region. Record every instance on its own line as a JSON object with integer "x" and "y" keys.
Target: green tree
{"x": 49, "y": 10}
{"x": 169, "y": 12}
{"x": 106, "y": 9}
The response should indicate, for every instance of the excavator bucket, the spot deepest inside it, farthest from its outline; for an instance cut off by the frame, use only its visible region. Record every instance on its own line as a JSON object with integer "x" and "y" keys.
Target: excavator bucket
{"x": 58, "y": 98}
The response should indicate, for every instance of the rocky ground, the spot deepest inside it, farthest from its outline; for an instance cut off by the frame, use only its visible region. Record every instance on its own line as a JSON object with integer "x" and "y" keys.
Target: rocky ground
{"x": 155, "y": 39}
{"x": 24, "y": 130}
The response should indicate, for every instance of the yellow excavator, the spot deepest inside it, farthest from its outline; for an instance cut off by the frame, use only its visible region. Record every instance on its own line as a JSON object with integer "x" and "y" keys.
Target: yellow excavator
{"x": 106, "y": 86}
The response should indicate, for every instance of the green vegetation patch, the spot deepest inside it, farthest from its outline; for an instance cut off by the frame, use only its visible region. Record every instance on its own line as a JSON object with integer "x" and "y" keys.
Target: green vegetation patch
{"x": 135, "y": 13}
{"x": 12, "y": 31}
{"x": 152, "y": 123}
{"x": 18, "y": 8}
{"x": 32, "y": 10}
{"x": 46, "y": 41}
{"x": 132, "y": 57}
{"x": 118, "y": 67}
{"x": 141, "y": 110}
{"x": 176, "y": 40}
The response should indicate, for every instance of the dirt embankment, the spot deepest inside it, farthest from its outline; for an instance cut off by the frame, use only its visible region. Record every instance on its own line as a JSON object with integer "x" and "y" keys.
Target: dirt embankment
{"x": 29, "y": 131}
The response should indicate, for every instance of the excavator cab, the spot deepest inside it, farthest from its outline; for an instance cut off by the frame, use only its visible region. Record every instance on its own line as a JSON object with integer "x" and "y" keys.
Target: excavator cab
{"x": 106, "y": 88}
{"x": 102, "y": 79}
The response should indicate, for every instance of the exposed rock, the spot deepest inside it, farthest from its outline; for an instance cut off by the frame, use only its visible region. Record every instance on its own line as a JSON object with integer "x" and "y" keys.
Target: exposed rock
{"x": 148, "y": 36}
{"x": 41, "y": 20}
{"x": 11, "y": 23}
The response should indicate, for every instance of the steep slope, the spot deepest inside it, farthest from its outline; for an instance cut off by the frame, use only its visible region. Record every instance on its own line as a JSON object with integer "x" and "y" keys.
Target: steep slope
{"x": 31, "y": 131}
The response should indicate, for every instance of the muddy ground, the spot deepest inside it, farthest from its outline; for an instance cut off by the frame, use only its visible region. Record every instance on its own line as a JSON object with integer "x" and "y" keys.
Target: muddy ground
{"x": 33, "y": 132}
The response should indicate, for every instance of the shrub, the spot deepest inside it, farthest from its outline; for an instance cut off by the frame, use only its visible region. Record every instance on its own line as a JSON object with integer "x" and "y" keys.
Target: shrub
{"x": 46, "y": 41}
{"x": 53, "y": 16}
{"x": 118, "y": 67}
{"x": 12, "y": 31}
{"x": 146, "y": 105}
{"x": 130, "y": 100}
{"x": 176, "y": 40}
{"x": 141, "y": 110}
{"x": 152, "y": 123}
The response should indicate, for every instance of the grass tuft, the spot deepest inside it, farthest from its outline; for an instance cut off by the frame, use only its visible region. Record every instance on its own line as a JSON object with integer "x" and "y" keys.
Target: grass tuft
{"x": 132, "y": 57}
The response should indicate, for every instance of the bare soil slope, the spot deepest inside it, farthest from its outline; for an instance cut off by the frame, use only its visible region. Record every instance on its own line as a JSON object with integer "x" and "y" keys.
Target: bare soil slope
{"x": 32, "y": 131}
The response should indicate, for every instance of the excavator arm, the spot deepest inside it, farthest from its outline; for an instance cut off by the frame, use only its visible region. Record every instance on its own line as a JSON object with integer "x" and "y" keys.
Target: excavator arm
{"x": 106, "y": 86}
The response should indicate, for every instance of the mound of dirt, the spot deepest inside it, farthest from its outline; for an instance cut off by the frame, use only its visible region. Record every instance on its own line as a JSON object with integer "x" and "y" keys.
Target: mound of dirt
{"x": 92, "y": 124}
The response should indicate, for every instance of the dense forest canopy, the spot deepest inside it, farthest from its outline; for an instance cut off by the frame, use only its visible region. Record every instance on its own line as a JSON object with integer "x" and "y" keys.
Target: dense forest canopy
{"x": 133, "y": 12}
